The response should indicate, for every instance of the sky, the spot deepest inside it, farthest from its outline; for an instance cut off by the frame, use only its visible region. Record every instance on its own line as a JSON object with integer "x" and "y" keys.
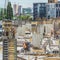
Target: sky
{"x": 24, "y": 3}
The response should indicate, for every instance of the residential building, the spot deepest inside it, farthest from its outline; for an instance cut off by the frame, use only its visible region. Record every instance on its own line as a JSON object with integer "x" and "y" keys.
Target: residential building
{"x": 39, "y": 10}
{"x": 52, "y": 1}
{"x": 51, "y": 10}
{"x": 58, "y": 9}
{"x": 47, "y": 10}
{"x": 15, "y": 9}
{"x": 19, "y": 10}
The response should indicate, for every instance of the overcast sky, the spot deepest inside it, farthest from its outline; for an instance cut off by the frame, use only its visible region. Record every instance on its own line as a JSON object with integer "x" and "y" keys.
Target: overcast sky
{"x": 24, "y": 3}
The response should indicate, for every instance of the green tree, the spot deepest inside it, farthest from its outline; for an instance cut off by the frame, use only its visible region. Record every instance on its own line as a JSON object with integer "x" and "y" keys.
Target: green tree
{"x": 25, "y": 17}
{"x": 1, "y": 14}
{"x": 9, "y": 11}
{"x": 5, "y": 13}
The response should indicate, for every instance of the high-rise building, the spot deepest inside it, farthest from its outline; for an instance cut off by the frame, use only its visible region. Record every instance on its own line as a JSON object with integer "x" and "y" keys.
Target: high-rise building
{"x": 47, "y": 10}
{"x": 26, "y": 11}
{"x": 58, "y": 9}
{"x": 51, "y": 10}
{"x": 6, "y": 3}
{"x": 19, "y": 10}
{"x": 39, "y": 10}
{"x": 15, "y": 9}
{"x": 52, "y": 1}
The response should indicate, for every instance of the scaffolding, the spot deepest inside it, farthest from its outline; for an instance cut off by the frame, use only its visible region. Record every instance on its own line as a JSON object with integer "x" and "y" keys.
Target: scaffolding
{"x": 9, "y": 42}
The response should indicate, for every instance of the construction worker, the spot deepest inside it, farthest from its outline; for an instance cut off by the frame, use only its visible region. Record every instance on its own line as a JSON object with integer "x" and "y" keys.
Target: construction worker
{"x": 26, "y": 46}
{"x": 35, "y": 58}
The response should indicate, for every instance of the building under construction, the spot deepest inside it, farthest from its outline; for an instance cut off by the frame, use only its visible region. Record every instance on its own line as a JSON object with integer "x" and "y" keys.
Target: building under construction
{"x": 9, "y": 41}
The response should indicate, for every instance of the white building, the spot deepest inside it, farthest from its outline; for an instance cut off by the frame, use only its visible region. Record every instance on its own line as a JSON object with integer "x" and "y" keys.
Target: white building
{"x": 51, "y": 10}
{"x": 15, "y": 9}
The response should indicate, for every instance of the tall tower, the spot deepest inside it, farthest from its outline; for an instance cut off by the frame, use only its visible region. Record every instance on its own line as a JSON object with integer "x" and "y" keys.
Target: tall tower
{"x": 52, "y": 1}
{"x": 9, "y": 41}
{"x": 15, "y": 9}
{"x": 19, "y": 10}
{"x": 6, "y": 3}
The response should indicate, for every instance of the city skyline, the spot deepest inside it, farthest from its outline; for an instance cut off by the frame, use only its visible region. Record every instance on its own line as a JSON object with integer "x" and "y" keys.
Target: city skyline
{"x": 23, "y": 3}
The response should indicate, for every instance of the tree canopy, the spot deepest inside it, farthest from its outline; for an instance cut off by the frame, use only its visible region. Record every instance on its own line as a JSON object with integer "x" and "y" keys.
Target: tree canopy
{"x": 9, "y": 11}
{"x": 25, "y": 17}
{"x": 1, "y": 14}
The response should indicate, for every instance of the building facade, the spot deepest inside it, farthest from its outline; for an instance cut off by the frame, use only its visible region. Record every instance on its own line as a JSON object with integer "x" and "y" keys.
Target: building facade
{"x": 52, "y": 1}
{"x": 51, "y": 10}
{"x": 47, "y": 10}
{"x": 15, "y": 9}
{"x": 58, "y": 9}
{"x": 39, "y": 10}
{"x": 19, "y": 10}
{"x": 27, "y": 11}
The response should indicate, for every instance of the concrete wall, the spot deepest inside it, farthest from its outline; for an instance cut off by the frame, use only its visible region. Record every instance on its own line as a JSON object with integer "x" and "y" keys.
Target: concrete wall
{"x": 38, "y": 36}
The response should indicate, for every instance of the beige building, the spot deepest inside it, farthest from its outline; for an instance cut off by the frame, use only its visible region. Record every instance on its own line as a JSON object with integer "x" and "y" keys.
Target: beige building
{"x": 52, "y": 1}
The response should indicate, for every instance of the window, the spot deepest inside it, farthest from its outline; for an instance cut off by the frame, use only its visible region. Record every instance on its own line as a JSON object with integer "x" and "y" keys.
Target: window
{"x": 59, "y": 5}
{"x": 48, "y": 9}
{"x": 48, "y": 17}
{"x": 43, "y": 5}
{"x": 59, "y": 13}
{"x": 39, "y": 5}
{"x": 55, "y": 52}
{"x": 48, "y": 6}
{"x": 56, "y": 5}
{"x": 0, "y": 26}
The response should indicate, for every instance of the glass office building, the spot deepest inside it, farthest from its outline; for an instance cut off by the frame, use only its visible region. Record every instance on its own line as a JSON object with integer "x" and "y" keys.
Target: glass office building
{"x": 51, "y": 10}
{"x": 58, "y": 9}
{"x": 39, "y": 10}
{"x": 47, "y": 10}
